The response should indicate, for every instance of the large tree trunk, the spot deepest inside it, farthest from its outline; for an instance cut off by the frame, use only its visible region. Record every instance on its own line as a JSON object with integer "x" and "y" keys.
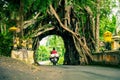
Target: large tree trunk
{"x": 75, "y": 43}
{"x": 68, "y": 40}
{"x": 20, "y": 19}
{"x": 97, "y": 26}
{"x": 71, "y": 55}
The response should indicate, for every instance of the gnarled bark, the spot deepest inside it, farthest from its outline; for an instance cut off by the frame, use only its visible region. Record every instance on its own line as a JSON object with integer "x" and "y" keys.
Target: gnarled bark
{"x": 81, "y": 46}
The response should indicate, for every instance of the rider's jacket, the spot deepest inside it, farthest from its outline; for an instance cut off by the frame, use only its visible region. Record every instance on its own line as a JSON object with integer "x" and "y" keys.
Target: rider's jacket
{"x": 53, "y": 52}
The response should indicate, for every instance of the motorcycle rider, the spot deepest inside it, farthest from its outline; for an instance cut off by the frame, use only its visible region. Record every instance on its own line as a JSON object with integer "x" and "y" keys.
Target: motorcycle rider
{"x": 54, "y": 53}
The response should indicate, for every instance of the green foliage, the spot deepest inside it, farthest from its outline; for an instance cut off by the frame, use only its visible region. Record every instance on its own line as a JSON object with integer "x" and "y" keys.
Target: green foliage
{"x": 107, "y": 19}
{"x": 41, "y": 5}
{"x": 61, "y": 59}
{"x": 106, "y": 7}
{"x": 107, "y": 24}
{"x": 42, "y": 53}
{"x": 5, "y": 44}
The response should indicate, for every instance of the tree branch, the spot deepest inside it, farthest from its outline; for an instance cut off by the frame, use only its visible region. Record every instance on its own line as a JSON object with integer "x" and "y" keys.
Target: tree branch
{"x": 61, "y": 24}
{"x": 45, "y": 30}
{"x": 31, "y": 21}
{"x": 87, "y": 8}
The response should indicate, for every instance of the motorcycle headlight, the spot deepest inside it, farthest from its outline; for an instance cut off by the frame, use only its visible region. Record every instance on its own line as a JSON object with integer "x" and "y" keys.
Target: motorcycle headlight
{"x": 57, "y": 55}
{"x": 52, "y": 55}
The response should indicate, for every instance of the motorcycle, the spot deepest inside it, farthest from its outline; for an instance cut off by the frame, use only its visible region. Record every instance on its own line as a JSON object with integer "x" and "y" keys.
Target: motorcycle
{"x": 54, "y": 58}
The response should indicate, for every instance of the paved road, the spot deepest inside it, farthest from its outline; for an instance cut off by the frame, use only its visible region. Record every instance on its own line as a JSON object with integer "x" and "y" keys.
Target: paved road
{"x": 87, "y": 73}
{"x": 18, "y": 71}
{"x": 11, "y": 69}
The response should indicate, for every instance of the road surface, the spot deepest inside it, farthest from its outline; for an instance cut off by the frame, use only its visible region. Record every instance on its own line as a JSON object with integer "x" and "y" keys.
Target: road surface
{"x": 11, "y": 69}
{"x": 85, "y": 73}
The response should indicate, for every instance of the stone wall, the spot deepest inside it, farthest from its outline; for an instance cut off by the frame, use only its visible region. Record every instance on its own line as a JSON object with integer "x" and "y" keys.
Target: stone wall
{"x": 107, "y": 57}
{"x": 23, "y": 55}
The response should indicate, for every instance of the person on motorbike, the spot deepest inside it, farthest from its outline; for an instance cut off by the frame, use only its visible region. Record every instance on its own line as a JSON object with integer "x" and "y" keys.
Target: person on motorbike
{"x": 54, "y": 54}
{"x": 53, "y": 51}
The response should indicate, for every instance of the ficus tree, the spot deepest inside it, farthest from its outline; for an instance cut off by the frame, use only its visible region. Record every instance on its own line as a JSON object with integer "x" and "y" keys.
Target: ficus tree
{"x": 76, "y": 21}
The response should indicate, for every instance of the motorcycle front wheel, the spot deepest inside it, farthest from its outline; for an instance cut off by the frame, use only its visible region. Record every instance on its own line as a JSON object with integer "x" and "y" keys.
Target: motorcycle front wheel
{"x": 54, "y": 63}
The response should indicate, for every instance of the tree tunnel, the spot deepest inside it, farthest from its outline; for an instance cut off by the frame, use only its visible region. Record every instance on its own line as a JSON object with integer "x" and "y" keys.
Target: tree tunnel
{"x": 71, "y": 56}
{"x": 76, "y": 32}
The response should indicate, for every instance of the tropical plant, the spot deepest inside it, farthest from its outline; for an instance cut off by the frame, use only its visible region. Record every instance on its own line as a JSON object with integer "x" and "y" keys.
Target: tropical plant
{"x": 42, "y": 53}
{"x": 5, "y": 42}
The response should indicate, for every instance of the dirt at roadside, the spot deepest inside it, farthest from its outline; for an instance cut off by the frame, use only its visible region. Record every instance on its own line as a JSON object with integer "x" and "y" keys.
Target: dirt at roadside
{"x": 12, "y": 69}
